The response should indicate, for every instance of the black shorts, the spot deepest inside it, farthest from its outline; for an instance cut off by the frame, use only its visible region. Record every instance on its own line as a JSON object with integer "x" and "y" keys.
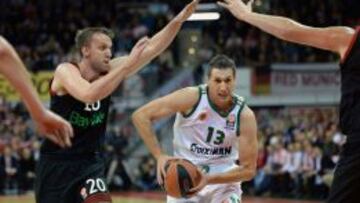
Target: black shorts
{"x": 346, "y": 185}
{"x": 70, "y": 181}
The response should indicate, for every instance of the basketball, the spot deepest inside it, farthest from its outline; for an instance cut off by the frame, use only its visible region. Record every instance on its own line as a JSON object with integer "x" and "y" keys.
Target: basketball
{"x": 180, "y": 176}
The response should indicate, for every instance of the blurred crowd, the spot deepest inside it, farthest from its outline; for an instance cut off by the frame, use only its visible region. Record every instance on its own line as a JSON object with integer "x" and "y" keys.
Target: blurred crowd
{"x": 248, "y": 45}
{"x": 19, "y": 149}
{"x": 43, "y": 31}
{"x": 20, "y": 145}
{"x": 299, "y": 148}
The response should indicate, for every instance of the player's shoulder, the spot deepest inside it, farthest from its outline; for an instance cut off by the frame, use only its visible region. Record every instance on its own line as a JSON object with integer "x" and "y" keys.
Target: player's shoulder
{"x": 189, "y": 97}
{"x": 190, "y": 90}
{"x": 193, "y": 91}
{"x": 66, "y": 67}
{"x": 350, "y": 31}
{"x": 240, "y": 100}
{"x": 346, "y": 33}
{"x": 5, "y": 47}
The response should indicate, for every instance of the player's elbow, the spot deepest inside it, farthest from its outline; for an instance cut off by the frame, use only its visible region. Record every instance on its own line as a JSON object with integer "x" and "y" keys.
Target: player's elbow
{"x": 136, "y": 116}
{"x": 252, "y": 173}
{"x": 4, "y": 49}
{"x": 89, "y": 97}
{"x": 292, "y": 32}
{"x": 249, "y": 173}
{"x": 140, "y": 116}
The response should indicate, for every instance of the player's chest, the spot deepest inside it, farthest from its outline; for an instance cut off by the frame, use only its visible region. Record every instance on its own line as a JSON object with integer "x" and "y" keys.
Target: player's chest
{"x": 215, "y": 129}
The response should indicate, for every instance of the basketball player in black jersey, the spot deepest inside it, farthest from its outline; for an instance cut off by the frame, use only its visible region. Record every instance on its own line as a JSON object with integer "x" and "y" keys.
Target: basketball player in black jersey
{"x": 48, "y": 124}
{"x": 81, "y": 95}
{"x": 344, "y": 41}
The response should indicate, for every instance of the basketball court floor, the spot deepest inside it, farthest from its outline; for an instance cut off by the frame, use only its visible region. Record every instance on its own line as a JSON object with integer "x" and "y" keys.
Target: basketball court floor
{"x": 149, "y": 197}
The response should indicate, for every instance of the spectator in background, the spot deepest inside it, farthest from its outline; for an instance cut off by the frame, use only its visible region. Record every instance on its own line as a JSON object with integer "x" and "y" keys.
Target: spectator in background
{"x": 117, "y": 176}
{"x": 26, "y": 170}
{"x": 9, "y": 171}
{"x": 147, "y": 174}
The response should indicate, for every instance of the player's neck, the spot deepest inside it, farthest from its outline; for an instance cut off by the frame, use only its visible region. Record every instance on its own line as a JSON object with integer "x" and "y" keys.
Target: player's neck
{"x": 224, "y": 106}
{"x": 88, "y": 72}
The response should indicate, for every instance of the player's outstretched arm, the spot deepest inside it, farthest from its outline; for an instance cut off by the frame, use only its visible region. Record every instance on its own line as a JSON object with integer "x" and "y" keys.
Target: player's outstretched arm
{"x": 179, "y": 101}
{"x": 48, "y": 124}
{"x": 68, "y": 79}
{"x": 248, "y": 146}
{"x": 335, "y": 39}
{"x": 160, "y": 41}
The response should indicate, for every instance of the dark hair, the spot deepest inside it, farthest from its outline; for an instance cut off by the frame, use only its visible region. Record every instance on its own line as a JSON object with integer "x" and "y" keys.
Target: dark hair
{"x": 221, "y": 62}
{"x": 83, "y": 36}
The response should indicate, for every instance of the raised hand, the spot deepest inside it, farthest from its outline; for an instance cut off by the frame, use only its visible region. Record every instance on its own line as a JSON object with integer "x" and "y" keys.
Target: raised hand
{"x": 187, "y": 11}
{"x": 137, "y": 50}
{"x": 237, "y": 7}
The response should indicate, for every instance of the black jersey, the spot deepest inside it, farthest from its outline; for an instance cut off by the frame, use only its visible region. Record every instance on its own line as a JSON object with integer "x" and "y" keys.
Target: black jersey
{"x": 87, "y": 120}
{"x": 350, "y": 88}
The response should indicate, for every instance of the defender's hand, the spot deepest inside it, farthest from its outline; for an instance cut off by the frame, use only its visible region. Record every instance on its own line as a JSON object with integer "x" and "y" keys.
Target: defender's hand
{"x": 54, "y": 128}
{"x": 137, "y": 51}
{"x": 187, "y": 11}
{"x": 237, "y": 7}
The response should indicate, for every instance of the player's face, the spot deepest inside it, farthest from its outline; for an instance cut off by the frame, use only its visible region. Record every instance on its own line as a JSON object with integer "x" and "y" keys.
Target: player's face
{"x": 221, "y": 84}
{"x": 99, "y": 52}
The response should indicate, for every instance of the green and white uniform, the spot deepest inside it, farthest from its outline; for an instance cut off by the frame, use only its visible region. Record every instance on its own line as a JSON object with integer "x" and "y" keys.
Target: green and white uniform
{"x": 209, "y": 139}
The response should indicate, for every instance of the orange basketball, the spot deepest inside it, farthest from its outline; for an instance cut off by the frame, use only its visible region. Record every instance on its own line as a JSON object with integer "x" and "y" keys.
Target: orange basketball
{"x": 180, "y": 176}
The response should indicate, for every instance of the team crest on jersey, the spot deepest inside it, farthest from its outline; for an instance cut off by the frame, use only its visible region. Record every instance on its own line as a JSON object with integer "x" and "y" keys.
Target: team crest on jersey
{"x": 230, "y": 122}
{"x": 203, "y": 116}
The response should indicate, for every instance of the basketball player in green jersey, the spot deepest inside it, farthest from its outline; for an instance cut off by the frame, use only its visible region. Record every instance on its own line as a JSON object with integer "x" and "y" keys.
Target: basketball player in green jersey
{"x": 345, "y": 42}
{"x": 214, "y": 129}
{"x": 49, "y": 125}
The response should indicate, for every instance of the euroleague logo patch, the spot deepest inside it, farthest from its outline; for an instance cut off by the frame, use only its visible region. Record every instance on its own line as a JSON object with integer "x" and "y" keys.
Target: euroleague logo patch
{"x": 230, "y": 122}
{"x": 83, "y": 193}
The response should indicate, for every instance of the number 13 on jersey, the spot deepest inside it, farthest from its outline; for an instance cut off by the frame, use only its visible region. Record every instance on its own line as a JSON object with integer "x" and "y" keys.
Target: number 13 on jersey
{"x": 219, "y": 137}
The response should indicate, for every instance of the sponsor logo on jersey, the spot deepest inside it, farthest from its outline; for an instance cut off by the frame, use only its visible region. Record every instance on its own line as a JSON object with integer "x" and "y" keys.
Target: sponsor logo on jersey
{"x": 230, "y": 122}
{"x": 79, "y": 120}
{"x": 210, "y": 151}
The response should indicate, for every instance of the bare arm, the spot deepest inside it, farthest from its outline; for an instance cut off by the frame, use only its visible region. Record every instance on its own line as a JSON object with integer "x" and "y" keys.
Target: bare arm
{"x": 160, "y": 41}
{"x": 49, "y": 124}
{"x": 248, "y": 146}
{"x": 179, "y": 101}
{"x": 14, "y": 70}
{"x": 68, "y": 76}
{"x": 68, "y": 79}
{"x": 335, "y": 39}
